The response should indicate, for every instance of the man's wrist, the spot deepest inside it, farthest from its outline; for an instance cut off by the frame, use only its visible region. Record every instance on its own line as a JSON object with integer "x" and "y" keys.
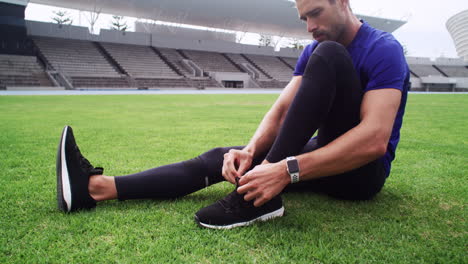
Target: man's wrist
{"x": 250, "y": 150}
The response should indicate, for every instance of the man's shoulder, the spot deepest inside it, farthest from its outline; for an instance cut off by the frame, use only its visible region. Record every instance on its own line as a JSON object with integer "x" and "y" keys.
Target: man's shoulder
{"x": 384, "y": 62}
{"x": 379, "y": 39}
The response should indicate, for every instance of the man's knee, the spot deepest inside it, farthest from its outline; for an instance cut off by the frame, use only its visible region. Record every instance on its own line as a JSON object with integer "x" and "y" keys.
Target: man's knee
{"x": 330, "y": 49}
{"x": 217, "y": 154}
{"x": 333, "y": 54}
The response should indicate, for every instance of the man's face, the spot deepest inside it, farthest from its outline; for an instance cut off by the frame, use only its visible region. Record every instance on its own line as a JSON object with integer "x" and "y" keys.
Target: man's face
{"x": 324, "y": 20}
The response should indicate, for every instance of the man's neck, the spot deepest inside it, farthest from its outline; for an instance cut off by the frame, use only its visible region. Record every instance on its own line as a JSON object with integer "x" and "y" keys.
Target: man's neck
{"x": 351, "y": 30}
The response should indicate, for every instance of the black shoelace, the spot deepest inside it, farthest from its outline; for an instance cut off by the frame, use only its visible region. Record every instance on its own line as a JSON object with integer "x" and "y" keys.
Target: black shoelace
{"x": 234, "y": 201}
{"x": 86, "y": 166}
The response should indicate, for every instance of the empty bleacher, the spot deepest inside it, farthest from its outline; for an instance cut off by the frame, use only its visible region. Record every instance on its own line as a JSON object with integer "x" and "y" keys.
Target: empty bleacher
{"x": 75, "y": 57}
{"x": 115, "y": 60}
{"x": 140, "y": 61}
{"x": 422, "y": 67}
{"x": 452, "y": 67}
{"x": 239, "y": 59}
{"x": 210, "y": 61}
{"x": 175, "y": 58}
{"x": 17, "y": 70}
{"x": 424, "y": 70}
{"x": 272, "y": 66}
{"x": 290, "y": 61}
{"x": 88, "y": 64}
{"x": 81, "y": 61}
{"x": 454, "y": 71}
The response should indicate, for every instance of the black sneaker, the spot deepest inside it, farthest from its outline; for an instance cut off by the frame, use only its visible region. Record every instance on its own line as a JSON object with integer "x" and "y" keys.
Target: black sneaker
{"x": 73, "y": 172}
{"x": 233, "y": 211}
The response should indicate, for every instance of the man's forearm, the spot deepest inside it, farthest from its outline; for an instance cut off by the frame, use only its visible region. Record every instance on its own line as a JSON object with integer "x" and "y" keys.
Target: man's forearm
{"x": 353, "y": 149}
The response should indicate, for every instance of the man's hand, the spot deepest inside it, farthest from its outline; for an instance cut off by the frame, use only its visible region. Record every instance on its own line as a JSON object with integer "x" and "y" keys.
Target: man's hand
{"x": 264, "y": 182}
{"x": 235, "y": 164}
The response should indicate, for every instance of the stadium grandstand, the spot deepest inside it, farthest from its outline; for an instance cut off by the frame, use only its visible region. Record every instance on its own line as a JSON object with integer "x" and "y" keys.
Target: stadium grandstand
{"x": 38, "y": 55}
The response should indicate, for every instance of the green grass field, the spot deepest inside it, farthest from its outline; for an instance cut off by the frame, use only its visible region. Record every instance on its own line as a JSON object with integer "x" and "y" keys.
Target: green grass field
{"x": 419, "y": 217}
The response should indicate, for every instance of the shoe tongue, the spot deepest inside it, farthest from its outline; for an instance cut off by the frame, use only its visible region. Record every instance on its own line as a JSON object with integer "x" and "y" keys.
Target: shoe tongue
{"x": 234, "y": 199}
{"x": 96, "y": 171}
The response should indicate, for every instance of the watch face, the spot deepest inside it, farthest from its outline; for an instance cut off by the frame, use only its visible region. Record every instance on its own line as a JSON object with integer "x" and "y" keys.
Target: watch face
{"x": 293, "y": 166}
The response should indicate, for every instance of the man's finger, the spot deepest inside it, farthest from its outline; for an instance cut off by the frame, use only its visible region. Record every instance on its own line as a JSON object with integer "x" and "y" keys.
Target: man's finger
{"x": 229, "y": 177}
{"x": 243, "y": 167}
{"x": 260, "y": 201}
{"x": 250, "y": 196}
{"x": 227, "y": 172}
{"x": 229, "y": 164}
{"x": 245, "y": 179}
{"x": 243, "y": 189}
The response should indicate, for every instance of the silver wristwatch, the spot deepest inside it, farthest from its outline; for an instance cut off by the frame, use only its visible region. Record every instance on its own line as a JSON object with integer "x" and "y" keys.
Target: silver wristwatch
{"x": 293, "y": 168}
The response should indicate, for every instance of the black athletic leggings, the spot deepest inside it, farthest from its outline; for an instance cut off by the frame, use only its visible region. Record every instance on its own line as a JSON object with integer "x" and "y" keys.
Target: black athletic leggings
{"x": 328, "y": 100}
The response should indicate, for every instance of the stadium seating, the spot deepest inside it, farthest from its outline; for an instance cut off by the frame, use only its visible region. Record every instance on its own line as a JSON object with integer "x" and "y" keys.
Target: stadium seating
{"x": 425, "y": 70}
{"x": 239, "y": 59}
{"x": 453, "y": 67}
{"x": 81, "y": 62}
{"x": 290, "y": 61}
{"x": 175, "y": 58}
{"x": 16, "y": 70}
{"x": 88, "y": 64}
{"x": 140, "y": 61}
{"x": 273, "y": 66}
{"x": 210, "y": 61}
{"x": 454, "y": 71}
{"x": 75, "y": 57}
{"x": 422, "y": 67}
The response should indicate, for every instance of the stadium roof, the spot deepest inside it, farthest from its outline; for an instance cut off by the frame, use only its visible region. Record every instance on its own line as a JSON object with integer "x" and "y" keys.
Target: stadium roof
{"x": 271, "y": 17}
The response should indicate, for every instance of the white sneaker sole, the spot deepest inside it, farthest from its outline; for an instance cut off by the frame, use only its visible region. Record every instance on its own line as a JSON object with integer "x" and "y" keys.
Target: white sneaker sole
{"x": 66, "y": 189}
{"x": 265, "y": 217}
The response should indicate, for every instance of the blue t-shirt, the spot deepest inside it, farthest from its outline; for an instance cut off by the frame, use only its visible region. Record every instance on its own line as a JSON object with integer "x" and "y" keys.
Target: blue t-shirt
{"x": 380, "y": 63}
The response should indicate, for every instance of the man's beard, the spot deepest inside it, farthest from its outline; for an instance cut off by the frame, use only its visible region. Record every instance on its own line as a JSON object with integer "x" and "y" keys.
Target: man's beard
{"x": 334, "y": 34}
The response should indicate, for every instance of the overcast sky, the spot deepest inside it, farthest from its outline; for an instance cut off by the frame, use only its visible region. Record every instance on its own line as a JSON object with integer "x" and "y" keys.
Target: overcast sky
{"x": 425, "y": 34}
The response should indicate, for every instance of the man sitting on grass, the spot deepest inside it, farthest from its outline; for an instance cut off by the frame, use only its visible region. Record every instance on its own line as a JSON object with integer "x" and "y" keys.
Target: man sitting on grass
{"x": 350, "y": 84}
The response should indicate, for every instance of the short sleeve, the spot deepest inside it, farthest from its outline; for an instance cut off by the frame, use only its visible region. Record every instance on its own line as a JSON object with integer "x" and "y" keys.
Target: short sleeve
{"x": 303, "y": 59}
{"x": 387, "y": 66}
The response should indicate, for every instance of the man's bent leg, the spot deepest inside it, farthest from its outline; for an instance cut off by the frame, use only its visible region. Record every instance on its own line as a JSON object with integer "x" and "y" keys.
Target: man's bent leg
{"x": 329, "y": 100}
